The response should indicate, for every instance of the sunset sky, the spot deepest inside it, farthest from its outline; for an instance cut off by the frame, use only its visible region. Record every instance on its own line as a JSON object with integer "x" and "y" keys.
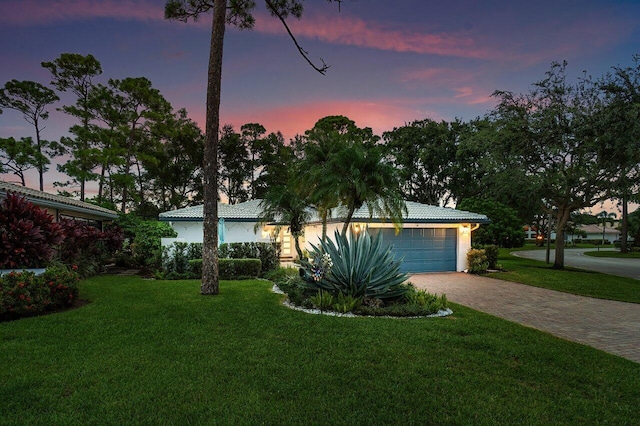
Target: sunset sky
{"x": 392, "y": 62}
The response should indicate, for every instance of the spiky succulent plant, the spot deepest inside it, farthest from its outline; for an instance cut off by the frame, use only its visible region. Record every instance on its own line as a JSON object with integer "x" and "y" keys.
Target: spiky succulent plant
{"x": 358, "y": 266}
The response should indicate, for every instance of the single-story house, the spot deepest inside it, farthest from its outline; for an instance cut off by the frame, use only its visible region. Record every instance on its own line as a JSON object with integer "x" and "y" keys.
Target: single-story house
{"x": 594, "y": 232}
{"x": 432, "y": 238}
{"x": 60, "y": 206}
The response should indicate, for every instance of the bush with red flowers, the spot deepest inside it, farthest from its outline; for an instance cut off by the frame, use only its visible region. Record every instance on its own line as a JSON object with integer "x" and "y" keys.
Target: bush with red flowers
{"x": 62, "y": 284}
{"x": 25, "y": 294}
{"x": 22, "y": 294}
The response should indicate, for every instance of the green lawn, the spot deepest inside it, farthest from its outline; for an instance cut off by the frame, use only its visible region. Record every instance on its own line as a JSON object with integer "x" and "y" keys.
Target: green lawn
{"x": 156, "y": 352}
{"x": 614, "y": 254}
{"x": 584, "y": 283}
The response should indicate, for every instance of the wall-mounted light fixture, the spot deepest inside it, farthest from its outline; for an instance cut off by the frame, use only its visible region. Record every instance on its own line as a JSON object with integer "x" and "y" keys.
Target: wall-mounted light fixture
{"x": 357, "y": 228}
{"x": 465, "y": 229}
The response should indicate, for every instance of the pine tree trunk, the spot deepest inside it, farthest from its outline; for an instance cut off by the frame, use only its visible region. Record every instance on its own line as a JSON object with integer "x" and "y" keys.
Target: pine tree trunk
{"x": 210, "y": 272}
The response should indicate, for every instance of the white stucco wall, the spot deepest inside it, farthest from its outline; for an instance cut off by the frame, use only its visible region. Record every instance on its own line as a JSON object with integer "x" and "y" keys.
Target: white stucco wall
{"x": 313, "y": 233}
{"x": 242, "y": 232}
{"x": 235, "y": 232}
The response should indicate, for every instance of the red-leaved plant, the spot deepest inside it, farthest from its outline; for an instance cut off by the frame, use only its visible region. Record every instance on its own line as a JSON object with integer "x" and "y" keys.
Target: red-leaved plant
{"x": 28, "y": 234}
{"x": 86, "y": 246}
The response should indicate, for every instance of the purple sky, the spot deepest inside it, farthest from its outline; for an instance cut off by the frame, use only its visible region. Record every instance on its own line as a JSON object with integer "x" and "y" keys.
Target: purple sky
{"x": 392, "y": 62}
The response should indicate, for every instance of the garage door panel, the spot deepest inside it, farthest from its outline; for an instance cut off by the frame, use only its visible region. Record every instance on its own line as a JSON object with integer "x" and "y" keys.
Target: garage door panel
{"x": 422, "y": 249}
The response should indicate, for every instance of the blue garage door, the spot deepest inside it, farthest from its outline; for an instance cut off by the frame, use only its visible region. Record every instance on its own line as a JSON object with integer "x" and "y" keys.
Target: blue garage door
{"x": 423, "y": 249}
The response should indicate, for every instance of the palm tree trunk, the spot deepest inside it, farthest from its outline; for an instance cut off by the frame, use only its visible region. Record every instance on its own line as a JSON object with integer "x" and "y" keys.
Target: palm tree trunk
{"x": 325, "y": 212}
{"x": 296, "y": 242}
{"x": 347, "y": 221}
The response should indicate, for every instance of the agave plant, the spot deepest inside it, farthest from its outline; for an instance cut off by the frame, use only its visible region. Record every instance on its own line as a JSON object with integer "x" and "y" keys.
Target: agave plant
{"x": 354, "y": 266}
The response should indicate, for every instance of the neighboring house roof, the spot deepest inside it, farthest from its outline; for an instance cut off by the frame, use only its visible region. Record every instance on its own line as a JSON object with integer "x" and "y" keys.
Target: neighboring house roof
{"x": 595, "y": 229}
{"x": 250, "y": 211}
{"x": 58, "y": 202}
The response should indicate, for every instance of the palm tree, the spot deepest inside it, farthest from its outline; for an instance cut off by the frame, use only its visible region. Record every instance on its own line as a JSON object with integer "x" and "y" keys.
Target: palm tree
{"x": 284, "y": 204}
{"x": 317, "y": 181}
{"x": 342, "y": 165}
{"x": 605, "y": 217}
{"x": 365, "y": 179}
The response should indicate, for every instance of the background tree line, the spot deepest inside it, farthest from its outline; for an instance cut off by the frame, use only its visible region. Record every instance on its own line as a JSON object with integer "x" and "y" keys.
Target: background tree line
{"x": 564, "y": 146}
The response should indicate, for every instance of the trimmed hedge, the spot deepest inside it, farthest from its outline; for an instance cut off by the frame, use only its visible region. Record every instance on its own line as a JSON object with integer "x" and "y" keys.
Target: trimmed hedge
{"x": 230, "y": 269}
{"x": 268, "y": 253}
{"x": 184, "y": 260}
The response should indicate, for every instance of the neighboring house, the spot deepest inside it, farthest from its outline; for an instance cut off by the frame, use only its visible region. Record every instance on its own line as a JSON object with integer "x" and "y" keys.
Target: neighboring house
{"x": 594, "y": 232}
{"x": 432, "y": 239}
{"x": 238, "y": 223}
{"x": 62, "y": 207}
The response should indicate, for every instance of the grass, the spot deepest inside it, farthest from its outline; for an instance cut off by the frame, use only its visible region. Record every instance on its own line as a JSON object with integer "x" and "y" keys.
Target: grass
{"x": 614, "y": 254}
{"x": 569, "y": 280}
{"x": 156, "y": 352}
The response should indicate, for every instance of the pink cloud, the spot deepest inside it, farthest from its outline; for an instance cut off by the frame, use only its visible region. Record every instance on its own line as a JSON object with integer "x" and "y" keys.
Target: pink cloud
{"x": 470, "y": 97}
{"x": 30, "y": 12}
{"x": 381, "y": 115}
{"x": 357, "y": 32}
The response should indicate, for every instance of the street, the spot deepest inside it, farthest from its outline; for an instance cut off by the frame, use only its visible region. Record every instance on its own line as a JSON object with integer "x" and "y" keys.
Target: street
{"x": 577, "y": 259}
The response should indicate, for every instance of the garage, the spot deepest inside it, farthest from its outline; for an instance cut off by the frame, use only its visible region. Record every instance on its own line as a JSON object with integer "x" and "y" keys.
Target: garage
{"x": 423, "y": 249}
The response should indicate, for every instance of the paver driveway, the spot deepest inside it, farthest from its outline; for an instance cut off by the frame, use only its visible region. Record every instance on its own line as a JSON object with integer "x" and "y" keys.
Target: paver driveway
{"x": 607, "y": 325}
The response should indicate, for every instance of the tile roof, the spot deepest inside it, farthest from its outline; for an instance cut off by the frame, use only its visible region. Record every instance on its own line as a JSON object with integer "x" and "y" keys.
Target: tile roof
{"x": 416, "y": 213}
{"x": 250, "y": 211}
{"x": 596, "y": 229}
{"x": 55, "y": 201}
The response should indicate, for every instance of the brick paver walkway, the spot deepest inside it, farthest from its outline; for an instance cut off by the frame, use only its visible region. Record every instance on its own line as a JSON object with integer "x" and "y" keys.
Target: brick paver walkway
{"x": 607, "y": 325}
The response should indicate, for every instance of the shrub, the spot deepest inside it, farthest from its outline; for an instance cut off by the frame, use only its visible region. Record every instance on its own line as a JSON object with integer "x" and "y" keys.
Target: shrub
{"x": 355, "y": 266}
{"x": 175, "y": 259}
{"x": 63, "y": 285}
{"x": 425, "y": 299}
{"x": 492, "y": 251}
{"x": 268, "y": 253}
{"x": 28, "y": 234}
{"x": 25, "y": 294}
{"x": 477, "y": 261}
{"x": 22, "y": 294}
{"x": 146, "y": 248}
{"x": 296, "y": 290}
{"x": 195, "y": 268}
{"x": 87, "y": 247}
{"x": 184, "y": 260}
{"x": 323, "y": 300}
{"x": 231, "y": 269}
{"x": 280, "y": 274}
{"x": 344, "y": 304}
{"x": 194, "y": 251}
